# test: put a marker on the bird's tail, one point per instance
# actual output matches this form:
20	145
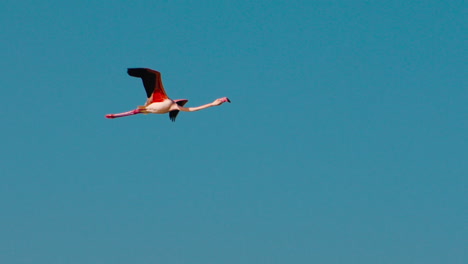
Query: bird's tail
132	112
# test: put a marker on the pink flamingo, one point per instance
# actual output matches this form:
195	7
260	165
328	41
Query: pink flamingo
158	102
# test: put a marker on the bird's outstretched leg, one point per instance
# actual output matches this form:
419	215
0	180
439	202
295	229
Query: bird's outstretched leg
128	113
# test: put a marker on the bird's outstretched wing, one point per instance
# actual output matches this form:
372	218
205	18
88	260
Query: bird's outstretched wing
152	82
173	113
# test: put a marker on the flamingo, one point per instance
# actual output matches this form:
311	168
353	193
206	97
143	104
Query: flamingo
158	102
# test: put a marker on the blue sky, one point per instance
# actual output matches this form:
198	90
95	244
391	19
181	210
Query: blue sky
345	141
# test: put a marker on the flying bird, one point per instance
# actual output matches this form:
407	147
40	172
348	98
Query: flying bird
158	102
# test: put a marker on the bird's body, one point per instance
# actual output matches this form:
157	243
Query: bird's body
159	107
158	102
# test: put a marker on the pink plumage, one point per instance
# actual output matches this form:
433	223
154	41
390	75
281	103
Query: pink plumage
157	100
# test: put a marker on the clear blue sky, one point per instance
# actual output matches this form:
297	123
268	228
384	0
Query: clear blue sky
346	139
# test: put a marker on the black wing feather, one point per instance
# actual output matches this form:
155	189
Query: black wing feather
148	77
173	114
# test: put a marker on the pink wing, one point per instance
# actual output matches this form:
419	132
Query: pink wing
151	81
